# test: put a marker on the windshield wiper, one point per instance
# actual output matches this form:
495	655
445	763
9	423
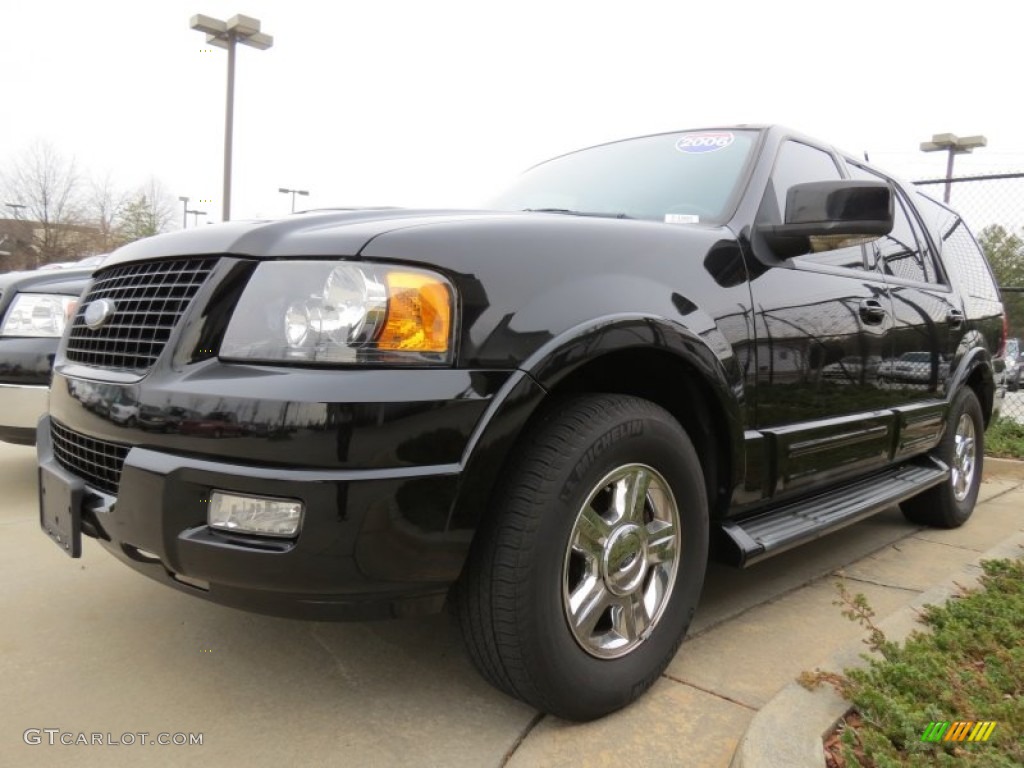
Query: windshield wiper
570	212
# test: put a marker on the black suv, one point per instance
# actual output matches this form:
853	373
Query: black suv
547	413
34	309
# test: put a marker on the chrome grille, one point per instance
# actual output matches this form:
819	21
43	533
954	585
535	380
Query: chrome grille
95	461
149	299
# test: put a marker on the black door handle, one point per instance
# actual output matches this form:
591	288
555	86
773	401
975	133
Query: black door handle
872	311
955	318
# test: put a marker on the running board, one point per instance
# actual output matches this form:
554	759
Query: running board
770	533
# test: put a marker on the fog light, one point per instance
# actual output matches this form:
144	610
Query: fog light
255	514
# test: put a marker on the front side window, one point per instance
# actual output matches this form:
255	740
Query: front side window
904	252
899	252
690	177
799	163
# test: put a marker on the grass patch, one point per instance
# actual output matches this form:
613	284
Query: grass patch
970	667
1005	438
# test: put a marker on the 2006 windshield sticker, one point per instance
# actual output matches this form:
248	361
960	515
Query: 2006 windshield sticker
699	143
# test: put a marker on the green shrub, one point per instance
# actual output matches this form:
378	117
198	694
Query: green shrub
1005	438
970	667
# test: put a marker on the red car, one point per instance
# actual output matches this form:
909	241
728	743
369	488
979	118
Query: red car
214	424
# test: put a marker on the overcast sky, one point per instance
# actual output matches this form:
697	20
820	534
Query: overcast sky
437	103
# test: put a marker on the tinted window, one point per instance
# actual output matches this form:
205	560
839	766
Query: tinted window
798	164
899	252
692	175
928	264
904	252
959	250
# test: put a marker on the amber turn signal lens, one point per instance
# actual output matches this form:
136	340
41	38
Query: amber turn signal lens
419	314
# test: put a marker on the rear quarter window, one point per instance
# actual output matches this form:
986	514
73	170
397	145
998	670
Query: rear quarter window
959	251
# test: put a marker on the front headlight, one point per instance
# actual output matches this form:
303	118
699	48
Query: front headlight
38	314
342	312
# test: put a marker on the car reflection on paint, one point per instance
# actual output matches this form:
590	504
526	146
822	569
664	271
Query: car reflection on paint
853	369
89	394
125	414
151	417
156	419
911	368
213	424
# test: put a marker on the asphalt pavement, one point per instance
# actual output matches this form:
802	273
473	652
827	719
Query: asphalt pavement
89	647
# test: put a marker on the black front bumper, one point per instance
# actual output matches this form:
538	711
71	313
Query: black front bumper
375	542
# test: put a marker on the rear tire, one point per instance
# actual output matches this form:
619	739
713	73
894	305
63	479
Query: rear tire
962	448
584	578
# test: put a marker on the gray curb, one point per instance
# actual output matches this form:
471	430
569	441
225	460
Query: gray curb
788	731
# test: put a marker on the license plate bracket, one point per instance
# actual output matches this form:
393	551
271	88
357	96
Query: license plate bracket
60	508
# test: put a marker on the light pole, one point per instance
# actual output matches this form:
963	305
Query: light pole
954	145
195	216
184	212
225	34
17	208
294	192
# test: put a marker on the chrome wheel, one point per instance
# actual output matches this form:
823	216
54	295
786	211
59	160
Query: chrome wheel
962	469
621	561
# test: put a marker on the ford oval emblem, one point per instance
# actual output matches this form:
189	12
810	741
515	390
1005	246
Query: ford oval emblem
98	312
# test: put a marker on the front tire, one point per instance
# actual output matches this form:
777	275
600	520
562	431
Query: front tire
950	504
586	575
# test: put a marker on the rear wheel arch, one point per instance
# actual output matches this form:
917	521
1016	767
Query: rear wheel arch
982	382
962	448
975	371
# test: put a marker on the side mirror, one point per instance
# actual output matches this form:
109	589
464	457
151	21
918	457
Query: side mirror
841	212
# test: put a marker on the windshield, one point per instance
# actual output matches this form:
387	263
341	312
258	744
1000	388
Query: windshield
679	178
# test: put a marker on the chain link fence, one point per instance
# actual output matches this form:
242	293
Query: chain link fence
993	207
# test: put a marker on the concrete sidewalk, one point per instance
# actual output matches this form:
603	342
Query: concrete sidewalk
89	646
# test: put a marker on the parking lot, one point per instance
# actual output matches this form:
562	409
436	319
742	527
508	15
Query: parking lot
87	646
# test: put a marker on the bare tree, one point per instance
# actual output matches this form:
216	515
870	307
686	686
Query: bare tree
147	212
48	184
106	206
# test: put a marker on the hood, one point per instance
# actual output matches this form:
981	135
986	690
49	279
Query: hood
64	281
350	233
337	233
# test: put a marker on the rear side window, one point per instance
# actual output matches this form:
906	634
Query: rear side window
959	250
